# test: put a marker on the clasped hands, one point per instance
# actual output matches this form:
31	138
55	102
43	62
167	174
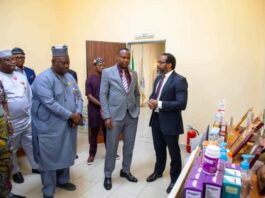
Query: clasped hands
76	119
152	104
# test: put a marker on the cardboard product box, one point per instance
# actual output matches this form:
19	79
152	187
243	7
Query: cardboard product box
196	173
213	186
231	187
232	166
232	172
221	165
193	189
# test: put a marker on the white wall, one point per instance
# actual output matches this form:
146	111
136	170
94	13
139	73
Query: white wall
219	44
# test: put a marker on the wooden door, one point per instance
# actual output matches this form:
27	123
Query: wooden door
106	50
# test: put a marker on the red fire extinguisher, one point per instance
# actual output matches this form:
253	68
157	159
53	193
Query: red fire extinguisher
192	133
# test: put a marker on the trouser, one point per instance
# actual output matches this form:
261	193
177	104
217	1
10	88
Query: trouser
93	139
128	126
23	139
161	141
5	171
49	180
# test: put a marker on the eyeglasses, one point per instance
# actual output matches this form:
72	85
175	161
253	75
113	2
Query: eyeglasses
19	57
161	62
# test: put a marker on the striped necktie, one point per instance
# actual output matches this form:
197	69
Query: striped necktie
124	81
159	87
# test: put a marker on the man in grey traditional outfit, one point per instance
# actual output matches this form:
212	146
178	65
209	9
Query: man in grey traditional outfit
19	95
56	112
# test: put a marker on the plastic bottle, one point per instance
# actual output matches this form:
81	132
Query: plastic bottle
245	176
230	157
223	152
210	159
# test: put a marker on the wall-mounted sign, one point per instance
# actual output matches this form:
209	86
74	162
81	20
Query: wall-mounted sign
144	36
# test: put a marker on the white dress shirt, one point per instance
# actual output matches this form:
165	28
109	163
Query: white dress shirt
159	105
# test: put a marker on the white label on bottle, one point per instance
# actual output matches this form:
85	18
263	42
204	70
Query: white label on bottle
212	191
193	194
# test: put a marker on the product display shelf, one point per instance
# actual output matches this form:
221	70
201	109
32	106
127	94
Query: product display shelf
177	190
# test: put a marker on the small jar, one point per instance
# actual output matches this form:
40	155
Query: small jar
210	159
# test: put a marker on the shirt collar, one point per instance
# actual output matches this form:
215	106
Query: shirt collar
168	74
19	70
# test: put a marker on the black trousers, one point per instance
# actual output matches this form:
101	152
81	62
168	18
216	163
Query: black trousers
161	142
93	136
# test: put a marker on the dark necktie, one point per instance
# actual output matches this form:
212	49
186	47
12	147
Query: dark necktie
159	86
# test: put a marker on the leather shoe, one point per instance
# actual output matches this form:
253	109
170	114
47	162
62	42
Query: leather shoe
107	183
35	171
18	178
45	196
128	176
11	195
169	188
154	176
67	186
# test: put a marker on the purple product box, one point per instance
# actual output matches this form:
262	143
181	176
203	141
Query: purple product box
221	165
232	166
195	171
193	188
197	175
213	186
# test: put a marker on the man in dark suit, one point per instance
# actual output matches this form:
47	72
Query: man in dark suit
168	99
19	54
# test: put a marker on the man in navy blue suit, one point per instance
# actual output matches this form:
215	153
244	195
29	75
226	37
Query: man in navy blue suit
20	60
168	99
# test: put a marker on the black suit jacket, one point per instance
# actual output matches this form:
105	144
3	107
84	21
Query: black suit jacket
174	96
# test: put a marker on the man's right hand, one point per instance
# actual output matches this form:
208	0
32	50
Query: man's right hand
108	123
76	118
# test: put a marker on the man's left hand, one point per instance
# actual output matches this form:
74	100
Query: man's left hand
153	103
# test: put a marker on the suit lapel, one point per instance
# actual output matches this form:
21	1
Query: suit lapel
132	79
169	81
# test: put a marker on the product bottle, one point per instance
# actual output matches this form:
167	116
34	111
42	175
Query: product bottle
245	176
223	152
230	157
223	130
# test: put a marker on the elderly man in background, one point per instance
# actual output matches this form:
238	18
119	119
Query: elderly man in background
6	130
56	112
19	54
19	95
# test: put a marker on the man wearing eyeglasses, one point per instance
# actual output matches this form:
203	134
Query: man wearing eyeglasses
19	55
19	95
168	99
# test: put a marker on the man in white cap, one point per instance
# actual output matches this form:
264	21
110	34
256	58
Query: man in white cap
6	61
56	111
19	95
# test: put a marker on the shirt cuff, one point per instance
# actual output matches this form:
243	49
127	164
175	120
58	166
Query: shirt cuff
159	104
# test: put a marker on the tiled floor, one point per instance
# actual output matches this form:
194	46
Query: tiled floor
89	178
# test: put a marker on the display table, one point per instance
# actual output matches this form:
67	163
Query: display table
177	190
